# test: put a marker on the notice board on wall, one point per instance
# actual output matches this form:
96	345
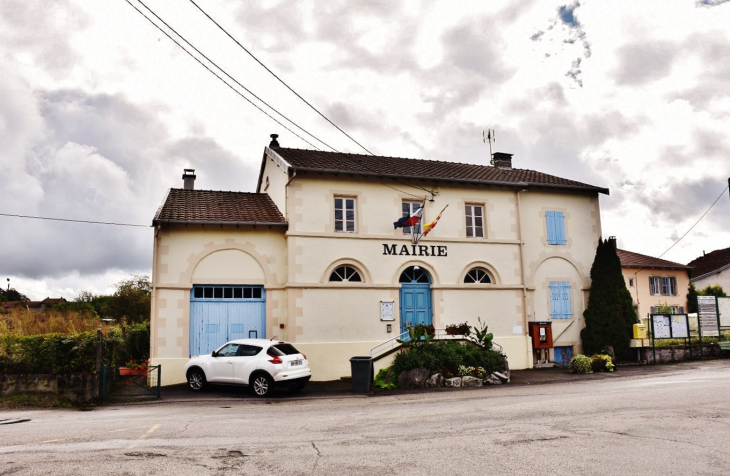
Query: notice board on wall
707	306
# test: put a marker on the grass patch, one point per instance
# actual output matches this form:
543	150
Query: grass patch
33	400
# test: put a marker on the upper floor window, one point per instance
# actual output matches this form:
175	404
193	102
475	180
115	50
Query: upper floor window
345	274
474	221
409	208
665	286
345	214
477	275
555	228
631	282
560	306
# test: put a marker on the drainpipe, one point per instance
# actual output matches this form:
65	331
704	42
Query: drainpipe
153	295
285	332
522	272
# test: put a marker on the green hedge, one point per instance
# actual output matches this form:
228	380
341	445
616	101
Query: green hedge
71	353
447	356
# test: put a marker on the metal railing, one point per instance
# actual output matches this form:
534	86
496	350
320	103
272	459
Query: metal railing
123	382
392	344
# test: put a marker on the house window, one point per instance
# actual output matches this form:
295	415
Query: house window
409	208
477	275
344	274
560	307
345	214
664	286
474	221
555	228
631	282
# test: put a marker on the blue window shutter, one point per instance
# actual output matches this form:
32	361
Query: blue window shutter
551	232
565	298
554	300
560	228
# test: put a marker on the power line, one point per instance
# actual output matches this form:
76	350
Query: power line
278	78
73	221
232	78
217	76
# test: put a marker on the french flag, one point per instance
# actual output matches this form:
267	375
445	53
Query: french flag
409	221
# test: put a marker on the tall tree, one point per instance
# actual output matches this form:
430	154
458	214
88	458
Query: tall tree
131	301
610	313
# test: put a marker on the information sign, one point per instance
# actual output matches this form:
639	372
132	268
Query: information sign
680	327
707	306
661	328
387	311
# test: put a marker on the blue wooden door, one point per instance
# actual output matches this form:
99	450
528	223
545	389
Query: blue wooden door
219	314
563	354
415	305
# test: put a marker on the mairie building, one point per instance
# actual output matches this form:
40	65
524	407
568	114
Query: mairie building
313	257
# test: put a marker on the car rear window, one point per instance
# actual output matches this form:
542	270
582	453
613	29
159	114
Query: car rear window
282	349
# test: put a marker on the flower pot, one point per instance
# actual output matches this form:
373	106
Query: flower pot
128	371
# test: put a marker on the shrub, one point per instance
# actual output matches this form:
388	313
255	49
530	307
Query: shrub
481	336
386	379
602	363
445	357
581	364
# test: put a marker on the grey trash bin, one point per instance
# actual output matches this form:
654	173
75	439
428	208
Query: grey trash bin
362	373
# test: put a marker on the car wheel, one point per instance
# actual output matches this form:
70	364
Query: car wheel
262	385
297	387
196	380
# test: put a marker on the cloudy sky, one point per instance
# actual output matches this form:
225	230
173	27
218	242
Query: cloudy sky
100	112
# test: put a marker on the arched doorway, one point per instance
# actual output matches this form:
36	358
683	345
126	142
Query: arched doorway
415	297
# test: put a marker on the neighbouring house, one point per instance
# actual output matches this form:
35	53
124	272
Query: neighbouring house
712	269
313	257
654	282
35	306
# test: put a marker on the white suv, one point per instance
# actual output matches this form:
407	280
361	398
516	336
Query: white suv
258	363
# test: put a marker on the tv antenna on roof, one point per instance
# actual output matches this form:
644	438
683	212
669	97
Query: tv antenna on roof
488	136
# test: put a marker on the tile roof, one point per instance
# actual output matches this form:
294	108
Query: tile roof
629	259
396	167
710	262
209	206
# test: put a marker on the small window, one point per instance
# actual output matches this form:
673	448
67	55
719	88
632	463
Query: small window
474	221
555	228
247	292
408	209
414	275
237	293
477	275
631	282
199	292
560	306
208	293
257	293
669	286
655	285
345	214
345	274
227	293
218	293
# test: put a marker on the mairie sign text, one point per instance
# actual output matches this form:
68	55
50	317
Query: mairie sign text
414	250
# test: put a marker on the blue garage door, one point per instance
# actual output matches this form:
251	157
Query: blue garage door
219	314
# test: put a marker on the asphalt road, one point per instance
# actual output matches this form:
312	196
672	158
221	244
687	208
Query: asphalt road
674	421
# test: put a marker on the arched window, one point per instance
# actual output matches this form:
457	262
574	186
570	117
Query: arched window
477	275
345	274
414	274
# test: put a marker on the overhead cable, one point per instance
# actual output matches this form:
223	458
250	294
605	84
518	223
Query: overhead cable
73	221
218	76
278	78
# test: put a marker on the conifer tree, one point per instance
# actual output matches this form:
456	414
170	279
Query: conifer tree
610	313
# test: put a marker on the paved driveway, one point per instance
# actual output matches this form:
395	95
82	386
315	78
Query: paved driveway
673	420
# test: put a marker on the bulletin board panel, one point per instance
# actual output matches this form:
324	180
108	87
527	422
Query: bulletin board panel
670	326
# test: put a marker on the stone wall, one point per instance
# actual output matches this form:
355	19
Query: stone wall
678	354
75	387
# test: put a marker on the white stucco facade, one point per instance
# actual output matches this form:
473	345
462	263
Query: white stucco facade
333	321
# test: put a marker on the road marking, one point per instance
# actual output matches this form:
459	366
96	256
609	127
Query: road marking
77	437
145	435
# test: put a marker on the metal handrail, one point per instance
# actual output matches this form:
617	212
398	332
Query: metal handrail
393	342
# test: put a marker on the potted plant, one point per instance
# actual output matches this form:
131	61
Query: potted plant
135	368
463	329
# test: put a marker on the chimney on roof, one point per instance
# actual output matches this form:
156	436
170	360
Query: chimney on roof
612	241
189	179
502	160
274	143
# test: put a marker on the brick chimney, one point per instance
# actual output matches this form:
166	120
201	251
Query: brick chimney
502	160
612	241
189	179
